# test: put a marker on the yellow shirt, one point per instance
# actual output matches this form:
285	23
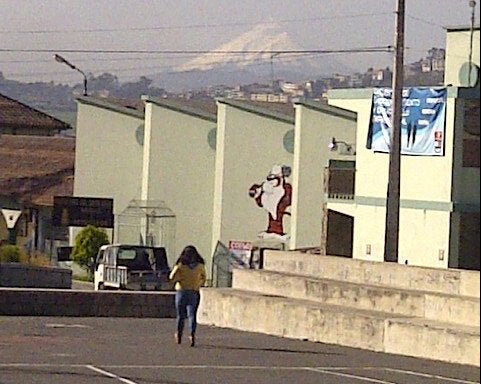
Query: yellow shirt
189	278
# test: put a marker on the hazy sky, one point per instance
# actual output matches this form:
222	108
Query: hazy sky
203	25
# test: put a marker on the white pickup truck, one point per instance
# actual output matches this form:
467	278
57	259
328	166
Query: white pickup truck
131	267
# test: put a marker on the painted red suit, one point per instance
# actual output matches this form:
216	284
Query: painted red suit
275	196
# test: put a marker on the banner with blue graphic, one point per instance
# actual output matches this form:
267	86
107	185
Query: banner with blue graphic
423	121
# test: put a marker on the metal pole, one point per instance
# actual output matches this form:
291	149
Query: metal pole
272	66
393	193
472	4
62	60
272	69
85	83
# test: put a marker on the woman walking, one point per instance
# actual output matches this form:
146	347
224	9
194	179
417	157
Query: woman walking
188	275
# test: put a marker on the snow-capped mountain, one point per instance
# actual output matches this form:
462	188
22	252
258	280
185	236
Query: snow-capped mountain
253	63
262	38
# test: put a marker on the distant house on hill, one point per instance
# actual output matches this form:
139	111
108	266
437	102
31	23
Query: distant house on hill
35	166
17	118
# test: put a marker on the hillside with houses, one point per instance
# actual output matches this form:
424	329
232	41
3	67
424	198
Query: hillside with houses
59	99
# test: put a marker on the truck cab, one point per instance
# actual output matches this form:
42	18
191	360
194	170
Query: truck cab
131	267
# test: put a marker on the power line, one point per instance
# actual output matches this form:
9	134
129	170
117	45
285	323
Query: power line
264	62
94	59
165	57
200	52
220	25
281	55
425	21
432	23
193	26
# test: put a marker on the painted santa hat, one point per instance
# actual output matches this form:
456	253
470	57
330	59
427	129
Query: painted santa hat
279	171
276	171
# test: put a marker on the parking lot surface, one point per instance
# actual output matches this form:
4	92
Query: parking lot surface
44	350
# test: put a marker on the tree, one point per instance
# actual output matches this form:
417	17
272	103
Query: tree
133	90
87	244
105	81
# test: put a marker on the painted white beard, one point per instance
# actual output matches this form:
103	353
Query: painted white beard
271	197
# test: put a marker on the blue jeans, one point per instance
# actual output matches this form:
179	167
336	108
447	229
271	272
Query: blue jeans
186	304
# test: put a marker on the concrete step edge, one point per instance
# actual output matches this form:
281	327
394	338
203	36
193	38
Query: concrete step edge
465	282
450	327
356	284
339	308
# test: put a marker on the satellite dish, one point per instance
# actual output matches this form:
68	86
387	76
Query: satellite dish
139	134
288	141
464	75
212	138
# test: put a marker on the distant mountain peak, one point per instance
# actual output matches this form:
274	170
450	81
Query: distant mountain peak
262	37
254	62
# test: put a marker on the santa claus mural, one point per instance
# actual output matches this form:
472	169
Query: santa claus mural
274	195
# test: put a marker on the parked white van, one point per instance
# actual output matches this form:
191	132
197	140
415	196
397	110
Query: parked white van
132	267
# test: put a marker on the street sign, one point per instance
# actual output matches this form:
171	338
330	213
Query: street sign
82	211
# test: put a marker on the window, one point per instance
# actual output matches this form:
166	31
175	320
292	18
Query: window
126	254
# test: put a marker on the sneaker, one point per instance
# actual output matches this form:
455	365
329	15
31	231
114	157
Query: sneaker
178	338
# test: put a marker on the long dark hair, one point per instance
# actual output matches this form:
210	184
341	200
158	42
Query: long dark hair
190	255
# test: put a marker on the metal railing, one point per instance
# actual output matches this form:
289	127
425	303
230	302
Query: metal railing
115	276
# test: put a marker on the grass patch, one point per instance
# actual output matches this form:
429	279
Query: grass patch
82	278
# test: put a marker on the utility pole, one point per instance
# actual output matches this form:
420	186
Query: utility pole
391	241
272	66
472	4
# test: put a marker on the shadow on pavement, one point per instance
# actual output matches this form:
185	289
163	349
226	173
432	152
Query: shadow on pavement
282	350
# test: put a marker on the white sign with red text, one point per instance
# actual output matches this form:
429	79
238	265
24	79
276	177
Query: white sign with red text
241	253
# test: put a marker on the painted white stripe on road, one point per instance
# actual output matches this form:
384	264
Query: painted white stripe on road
361	378
222	367
68	326
111	375
167	366
40	365
326	370
419	374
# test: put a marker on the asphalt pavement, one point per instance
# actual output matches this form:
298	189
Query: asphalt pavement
56	350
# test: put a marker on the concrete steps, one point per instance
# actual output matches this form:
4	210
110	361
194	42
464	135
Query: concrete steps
314	321
463	310
385	307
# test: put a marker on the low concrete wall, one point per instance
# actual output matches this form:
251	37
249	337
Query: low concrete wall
53	302
27	276
447	281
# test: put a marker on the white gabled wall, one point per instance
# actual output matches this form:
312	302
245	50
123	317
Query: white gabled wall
178	169
248	146
108	158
